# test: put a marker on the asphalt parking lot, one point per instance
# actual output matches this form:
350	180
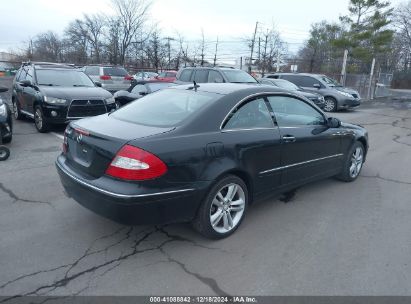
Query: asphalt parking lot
333	238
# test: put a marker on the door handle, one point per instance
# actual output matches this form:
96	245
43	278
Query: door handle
289	138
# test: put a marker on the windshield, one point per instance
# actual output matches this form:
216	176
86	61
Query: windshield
331	82
64	78
284	84
166	108
238	76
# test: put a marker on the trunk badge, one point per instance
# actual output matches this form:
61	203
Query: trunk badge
79	138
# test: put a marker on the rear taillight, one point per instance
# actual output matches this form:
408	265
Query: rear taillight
105	77
128	77
132	163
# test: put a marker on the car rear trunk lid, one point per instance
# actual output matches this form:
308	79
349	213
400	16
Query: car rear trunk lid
91	144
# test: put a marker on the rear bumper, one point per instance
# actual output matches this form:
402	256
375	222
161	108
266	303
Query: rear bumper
144	206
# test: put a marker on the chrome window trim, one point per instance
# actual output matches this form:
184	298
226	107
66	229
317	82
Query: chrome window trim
117	195
300	163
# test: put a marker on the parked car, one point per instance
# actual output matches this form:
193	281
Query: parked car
168	76
143	75
213	75
6	126
112	78
317	99
204	153
138	90
336	96
56	94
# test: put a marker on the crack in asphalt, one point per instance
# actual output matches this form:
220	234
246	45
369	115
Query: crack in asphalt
386	179
210	282
397	137
140	237
18	199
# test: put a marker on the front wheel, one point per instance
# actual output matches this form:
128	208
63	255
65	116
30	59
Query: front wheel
4	153
41	124
330	104
223	209
16	110
353	163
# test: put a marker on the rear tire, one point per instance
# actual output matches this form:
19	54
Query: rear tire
353	163
330	104
223	209
41	125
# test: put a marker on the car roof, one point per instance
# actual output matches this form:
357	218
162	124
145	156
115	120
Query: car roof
48	65
228	88
300	74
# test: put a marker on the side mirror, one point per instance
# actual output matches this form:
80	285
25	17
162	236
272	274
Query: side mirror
333	122
26	83
317	85
3	89
98	84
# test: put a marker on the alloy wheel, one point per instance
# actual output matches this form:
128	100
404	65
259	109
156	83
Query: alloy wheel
227	208
329	105
15	110
357	158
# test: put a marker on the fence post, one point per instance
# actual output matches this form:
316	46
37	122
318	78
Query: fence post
370	83
344	68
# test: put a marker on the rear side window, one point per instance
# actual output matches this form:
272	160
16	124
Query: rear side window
186	75
201	76
297	80
165	108
252	115
170	74
113	71
92	71
215	77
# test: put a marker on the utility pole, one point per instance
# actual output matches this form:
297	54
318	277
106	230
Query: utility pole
169	49
344	68
241	63
202	48
259	49
370	95
215	54
252	48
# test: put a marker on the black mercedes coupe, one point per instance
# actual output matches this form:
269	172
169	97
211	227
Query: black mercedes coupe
204	153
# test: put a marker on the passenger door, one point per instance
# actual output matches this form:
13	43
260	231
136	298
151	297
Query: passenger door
250	134
21	75
310	148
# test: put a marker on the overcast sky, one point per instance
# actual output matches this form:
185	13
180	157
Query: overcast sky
228	19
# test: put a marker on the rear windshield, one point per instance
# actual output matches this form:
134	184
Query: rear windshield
113	71
63	78
238	76
166	108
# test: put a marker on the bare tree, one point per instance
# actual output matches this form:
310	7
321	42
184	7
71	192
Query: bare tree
402	40
94	28
48	47
131	18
